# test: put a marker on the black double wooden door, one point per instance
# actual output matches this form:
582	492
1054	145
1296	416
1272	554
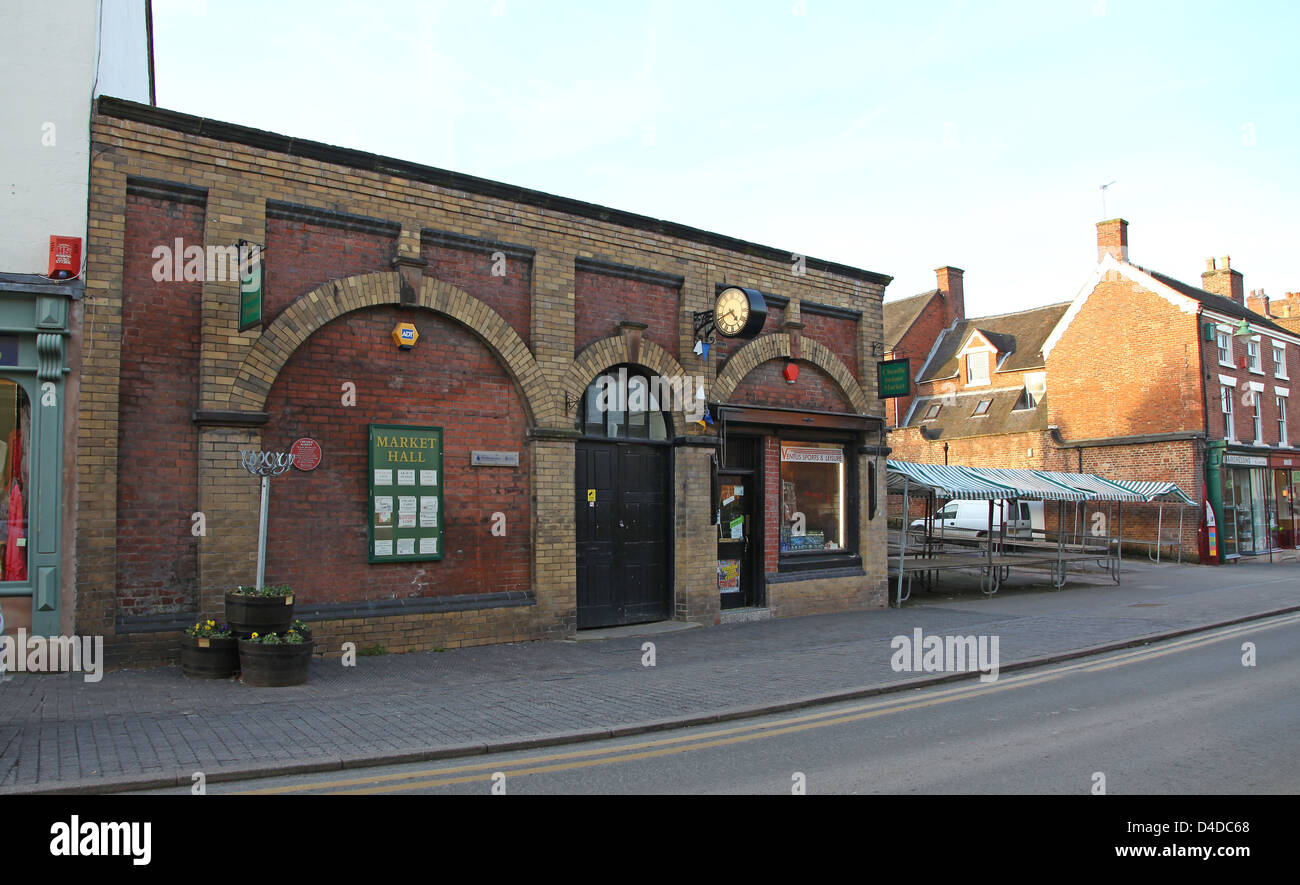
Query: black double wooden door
622	534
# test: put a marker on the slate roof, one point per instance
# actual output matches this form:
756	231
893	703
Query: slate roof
1218	303
956	416
1019	338
900	314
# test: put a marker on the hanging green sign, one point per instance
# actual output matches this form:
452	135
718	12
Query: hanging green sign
893	378
405	515
250	285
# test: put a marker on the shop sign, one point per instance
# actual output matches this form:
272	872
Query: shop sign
809	454
406	484
1246	460
306	453
494	459
893	377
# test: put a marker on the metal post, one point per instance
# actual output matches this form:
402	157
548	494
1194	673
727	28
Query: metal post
261	532
265	465
902	540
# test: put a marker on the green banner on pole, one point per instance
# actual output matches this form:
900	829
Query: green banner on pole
250	285
894	378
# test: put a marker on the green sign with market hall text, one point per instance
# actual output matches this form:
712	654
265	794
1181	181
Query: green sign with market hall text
893	378
406	481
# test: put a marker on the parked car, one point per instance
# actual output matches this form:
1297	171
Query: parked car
970	520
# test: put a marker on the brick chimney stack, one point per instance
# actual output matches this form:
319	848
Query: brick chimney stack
1221	279
1112	239
1258	302
954	296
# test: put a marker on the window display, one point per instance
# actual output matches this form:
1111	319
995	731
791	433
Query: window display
15	442
812	497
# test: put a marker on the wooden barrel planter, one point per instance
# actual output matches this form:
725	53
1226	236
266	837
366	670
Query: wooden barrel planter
209	657
247	615
274	665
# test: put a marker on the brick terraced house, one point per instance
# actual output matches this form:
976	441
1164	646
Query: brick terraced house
1139	377
544	506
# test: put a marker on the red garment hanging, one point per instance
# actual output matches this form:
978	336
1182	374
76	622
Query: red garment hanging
15	556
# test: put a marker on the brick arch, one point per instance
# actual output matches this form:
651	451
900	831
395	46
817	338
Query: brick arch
297	323
771	347
613	351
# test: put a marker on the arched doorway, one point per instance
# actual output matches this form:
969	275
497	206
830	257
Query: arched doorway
623	506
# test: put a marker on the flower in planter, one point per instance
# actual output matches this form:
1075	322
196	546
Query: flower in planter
208	629
269	590
289	637
300	626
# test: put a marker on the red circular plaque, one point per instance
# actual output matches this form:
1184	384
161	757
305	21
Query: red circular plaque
306	453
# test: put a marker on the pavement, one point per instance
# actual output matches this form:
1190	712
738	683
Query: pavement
149	729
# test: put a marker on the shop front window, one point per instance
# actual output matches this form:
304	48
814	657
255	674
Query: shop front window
1288	529
813	506
15	443
1228	529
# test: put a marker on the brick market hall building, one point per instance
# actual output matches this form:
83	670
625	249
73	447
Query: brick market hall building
475	482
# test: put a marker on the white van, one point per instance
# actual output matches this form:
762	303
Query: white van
970	519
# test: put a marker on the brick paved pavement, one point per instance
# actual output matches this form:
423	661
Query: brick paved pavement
156	727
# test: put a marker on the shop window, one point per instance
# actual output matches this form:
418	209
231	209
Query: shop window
15	444
813	498
622	405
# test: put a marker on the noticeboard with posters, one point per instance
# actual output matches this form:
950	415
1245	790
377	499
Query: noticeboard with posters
405	513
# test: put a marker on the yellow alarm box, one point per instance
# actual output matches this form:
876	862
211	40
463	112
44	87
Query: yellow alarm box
405	335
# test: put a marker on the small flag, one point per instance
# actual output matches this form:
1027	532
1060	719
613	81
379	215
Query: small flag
699	347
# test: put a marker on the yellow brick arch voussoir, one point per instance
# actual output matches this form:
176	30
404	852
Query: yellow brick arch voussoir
770	347
310	312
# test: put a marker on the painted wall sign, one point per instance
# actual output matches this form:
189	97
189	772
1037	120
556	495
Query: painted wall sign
405	478
306	453
494	459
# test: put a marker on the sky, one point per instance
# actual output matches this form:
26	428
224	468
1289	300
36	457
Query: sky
895	137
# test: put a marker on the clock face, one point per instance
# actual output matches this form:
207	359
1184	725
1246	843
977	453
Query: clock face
731	311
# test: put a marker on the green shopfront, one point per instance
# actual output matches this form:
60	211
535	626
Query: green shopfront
33	338
1252	491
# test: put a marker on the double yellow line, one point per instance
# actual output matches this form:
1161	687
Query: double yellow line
649	749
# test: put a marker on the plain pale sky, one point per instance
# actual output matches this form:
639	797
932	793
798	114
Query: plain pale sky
895	137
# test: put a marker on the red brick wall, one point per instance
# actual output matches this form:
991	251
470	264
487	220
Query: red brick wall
1243	414
157	556
451	381
1125	366
916	346
301	257
603	301
471	271
724	347
771	504
814	389
840	336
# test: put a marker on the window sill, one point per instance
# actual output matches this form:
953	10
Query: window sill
798	564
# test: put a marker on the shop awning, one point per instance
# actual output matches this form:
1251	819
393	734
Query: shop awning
944	480
1035	485
1157	491
1099	487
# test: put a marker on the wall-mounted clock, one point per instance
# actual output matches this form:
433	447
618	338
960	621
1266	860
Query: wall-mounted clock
739	313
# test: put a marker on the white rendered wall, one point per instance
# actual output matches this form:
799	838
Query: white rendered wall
48	61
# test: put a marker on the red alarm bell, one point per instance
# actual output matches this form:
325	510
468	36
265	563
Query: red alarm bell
791	372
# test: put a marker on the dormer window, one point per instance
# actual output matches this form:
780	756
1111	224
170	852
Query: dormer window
982	407
977	368
1027	401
